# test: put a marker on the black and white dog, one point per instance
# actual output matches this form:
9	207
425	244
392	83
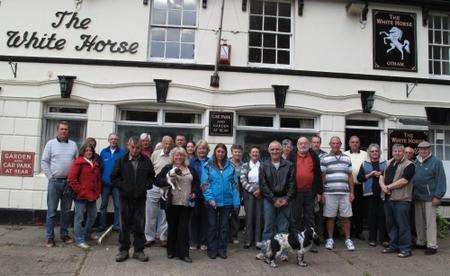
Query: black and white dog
281	244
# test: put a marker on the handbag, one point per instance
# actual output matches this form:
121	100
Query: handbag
68	192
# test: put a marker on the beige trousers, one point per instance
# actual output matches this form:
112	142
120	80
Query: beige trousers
426	228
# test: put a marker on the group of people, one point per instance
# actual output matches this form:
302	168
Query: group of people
180	195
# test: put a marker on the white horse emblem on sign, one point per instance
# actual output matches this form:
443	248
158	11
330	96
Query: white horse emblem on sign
394	35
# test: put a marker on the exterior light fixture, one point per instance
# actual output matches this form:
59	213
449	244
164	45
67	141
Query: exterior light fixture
162	86
66	84
367	100
280	92
358	8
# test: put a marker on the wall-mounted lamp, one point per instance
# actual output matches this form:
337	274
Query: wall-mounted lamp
66	84
367	100
244	5
145	2
301	5
280	92
204	4
162	87
358	8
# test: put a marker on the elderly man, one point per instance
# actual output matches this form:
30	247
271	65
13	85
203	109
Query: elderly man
286	150
430	185
155	218
338	191
278	189
397	193
57	158
357	156
410	154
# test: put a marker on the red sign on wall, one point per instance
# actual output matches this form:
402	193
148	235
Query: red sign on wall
17	163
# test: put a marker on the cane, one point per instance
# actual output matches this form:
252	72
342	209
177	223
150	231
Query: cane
104	235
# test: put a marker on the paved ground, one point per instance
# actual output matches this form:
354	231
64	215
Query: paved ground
22	253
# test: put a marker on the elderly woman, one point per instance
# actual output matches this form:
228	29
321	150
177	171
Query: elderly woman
251	194
85	180
180	199
369	175
218	182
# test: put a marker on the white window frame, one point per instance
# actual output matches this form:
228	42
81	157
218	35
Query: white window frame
167	26
434	129
441	45
276	123
291	39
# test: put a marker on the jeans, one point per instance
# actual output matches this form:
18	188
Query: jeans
155	217
107	191
82	207
218	228
54	196
303	210
276	220
132	221
398	224
253	218
199	224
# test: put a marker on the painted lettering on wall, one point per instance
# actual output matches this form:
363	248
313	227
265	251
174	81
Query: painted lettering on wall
68	20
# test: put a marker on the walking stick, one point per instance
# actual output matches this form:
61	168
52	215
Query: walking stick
104	235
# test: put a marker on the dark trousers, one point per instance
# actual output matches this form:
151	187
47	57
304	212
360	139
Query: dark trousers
376	219
303	210
398	224
218	228
106	192
358	211
132	214
319	221
234	225
253	218
178	230
199	224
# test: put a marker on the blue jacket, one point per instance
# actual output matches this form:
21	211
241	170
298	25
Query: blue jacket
109	160
429	179
367	168
221	186
197	165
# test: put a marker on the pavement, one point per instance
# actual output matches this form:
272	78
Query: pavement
22	253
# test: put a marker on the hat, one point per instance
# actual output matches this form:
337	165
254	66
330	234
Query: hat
424	144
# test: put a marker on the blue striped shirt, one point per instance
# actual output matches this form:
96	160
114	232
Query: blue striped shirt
336	169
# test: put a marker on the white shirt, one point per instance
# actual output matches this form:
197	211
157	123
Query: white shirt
253	174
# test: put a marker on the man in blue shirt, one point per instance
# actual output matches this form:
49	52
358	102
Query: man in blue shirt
109	155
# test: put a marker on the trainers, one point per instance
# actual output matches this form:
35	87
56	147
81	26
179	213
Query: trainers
329	244
49	243
83	245
203	247
430	251
67	239
140	256
350	245
236	241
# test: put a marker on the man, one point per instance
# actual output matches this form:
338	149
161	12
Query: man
109	156
397	193
316	142
338	191
278	189
147	148
357	156
410	154
57	158
430	185
133	174
155	217
236	161
308	182
180	141
286	148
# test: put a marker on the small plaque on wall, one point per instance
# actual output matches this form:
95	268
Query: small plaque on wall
221	123
17	163
394	41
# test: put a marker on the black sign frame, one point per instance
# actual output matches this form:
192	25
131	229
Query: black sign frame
395	63
406	137
219	124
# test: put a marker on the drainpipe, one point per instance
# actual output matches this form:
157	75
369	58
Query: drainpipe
215	76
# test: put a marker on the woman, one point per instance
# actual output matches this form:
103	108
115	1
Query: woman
85	180
252	198
221	195
199	219
369	175
179	202
93	143
190	149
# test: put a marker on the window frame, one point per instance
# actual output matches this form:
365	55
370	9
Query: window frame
430	57
434	129
277	122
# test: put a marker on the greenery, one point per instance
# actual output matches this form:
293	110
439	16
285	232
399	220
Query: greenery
443	226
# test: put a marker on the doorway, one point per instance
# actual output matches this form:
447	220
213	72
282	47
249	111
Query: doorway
366	136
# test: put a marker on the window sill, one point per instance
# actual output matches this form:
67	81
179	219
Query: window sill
269	65
172	60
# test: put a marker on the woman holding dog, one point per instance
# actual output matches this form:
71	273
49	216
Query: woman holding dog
218	182
179	202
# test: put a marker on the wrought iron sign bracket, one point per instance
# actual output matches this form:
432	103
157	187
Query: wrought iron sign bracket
410	88
13	66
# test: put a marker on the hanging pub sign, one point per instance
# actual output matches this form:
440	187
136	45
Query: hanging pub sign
408	138
221	123
394	41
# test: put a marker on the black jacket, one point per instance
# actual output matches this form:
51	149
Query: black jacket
277	183
317	185
133	185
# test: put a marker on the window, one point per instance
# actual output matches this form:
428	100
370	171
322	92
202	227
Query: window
144	116
289	122
439	45
258	121
270	32
183	118
172	32
440	140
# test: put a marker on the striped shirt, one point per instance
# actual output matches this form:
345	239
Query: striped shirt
336	169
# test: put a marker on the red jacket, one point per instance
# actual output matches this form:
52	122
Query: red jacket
85	179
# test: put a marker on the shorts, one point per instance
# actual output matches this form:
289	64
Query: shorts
335	202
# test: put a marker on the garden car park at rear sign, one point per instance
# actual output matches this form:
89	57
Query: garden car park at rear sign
17	163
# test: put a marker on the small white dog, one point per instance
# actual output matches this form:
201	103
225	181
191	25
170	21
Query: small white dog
172	180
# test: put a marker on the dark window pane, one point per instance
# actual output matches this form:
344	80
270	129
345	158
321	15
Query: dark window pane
182	118
189	18
173	50
268	56
270	8
157	49
255	22
437	22
256	7
187	35
430	23
283	57
145	116
445	22
269	40
284	25
254	55
256	121
446	69
296	123
437	68
187	51
173	34
283	41
284	9
437	37
158	34
445	53
361	123
72	110
270	23
175	17
445	38
430	36
436	52
255	39
430	67
430	52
